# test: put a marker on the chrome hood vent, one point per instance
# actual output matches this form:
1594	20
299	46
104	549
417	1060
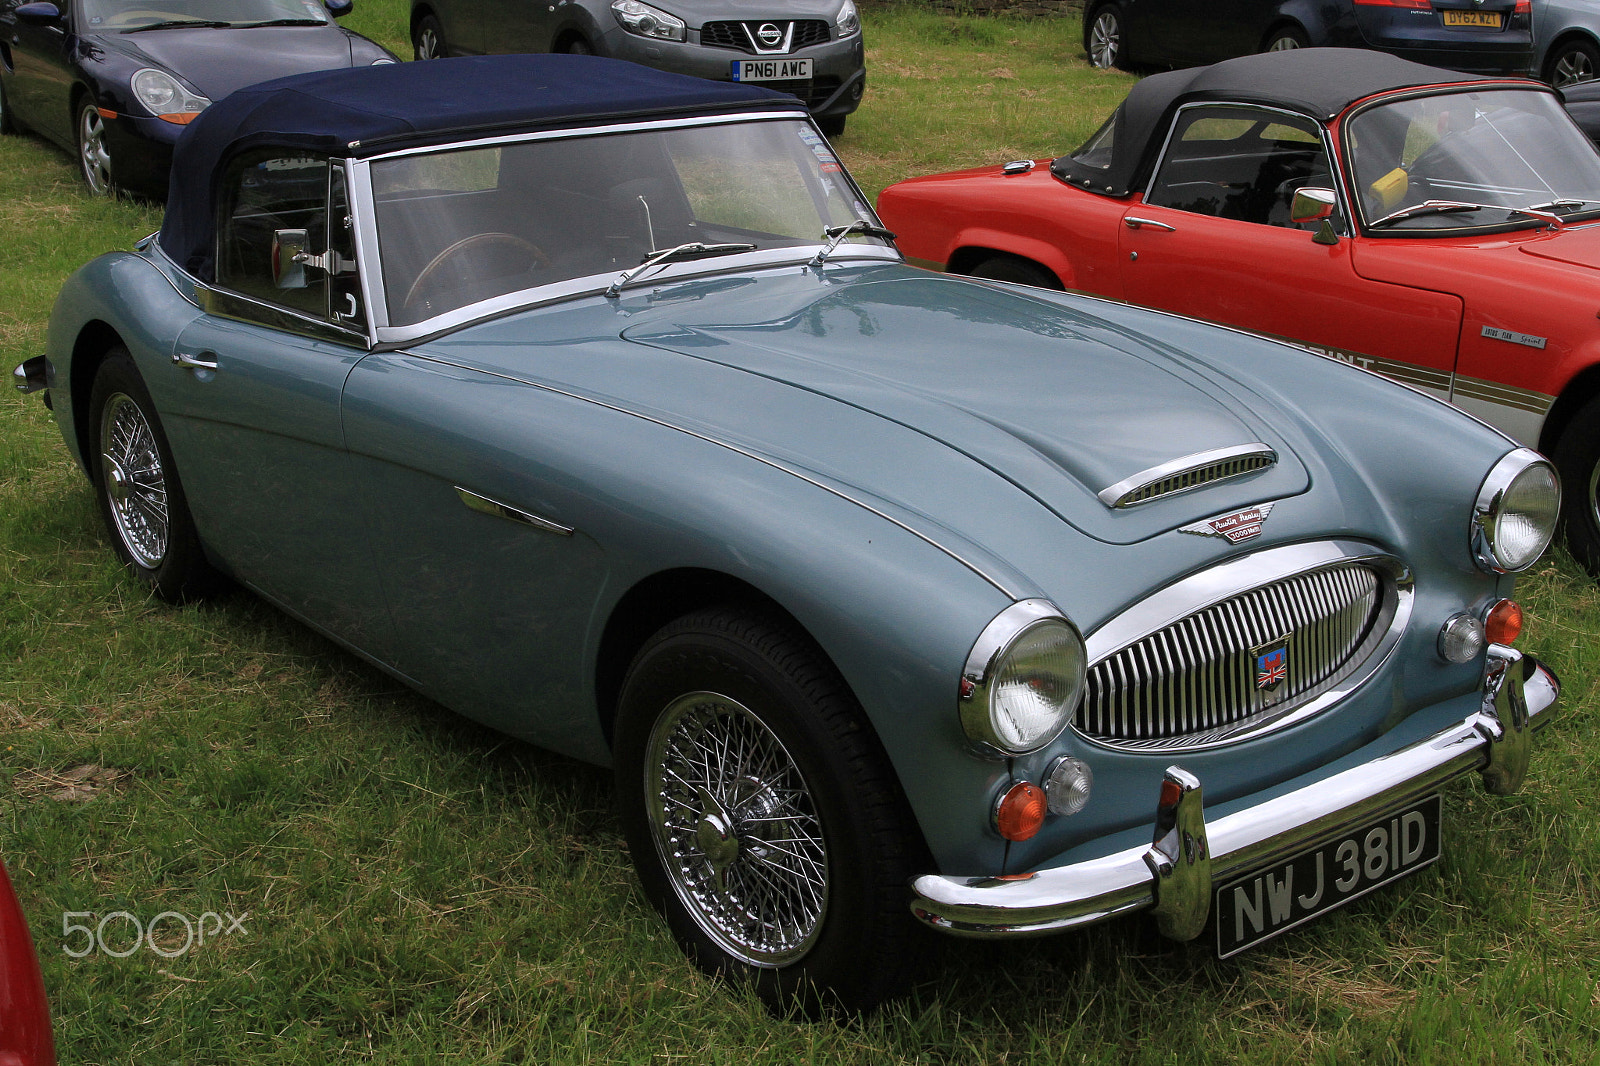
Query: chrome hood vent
1241	650
1189	472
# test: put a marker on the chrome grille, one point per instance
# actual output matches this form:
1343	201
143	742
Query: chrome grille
741	35
1194	682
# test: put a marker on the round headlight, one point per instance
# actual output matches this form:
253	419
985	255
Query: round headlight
1515	514
1022	680
163	95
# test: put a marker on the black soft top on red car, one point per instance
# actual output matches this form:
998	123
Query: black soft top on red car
1319	82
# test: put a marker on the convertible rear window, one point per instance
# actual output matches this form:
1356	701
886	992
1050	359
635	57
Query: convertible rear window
458	227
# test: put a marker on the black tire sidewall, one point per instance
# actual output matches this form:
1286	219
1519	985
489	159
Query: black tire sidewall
1575	456
857	958
183	573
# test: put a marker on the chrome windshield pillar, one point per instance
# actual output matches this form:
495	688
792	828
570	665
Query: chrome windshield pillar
1180	858
1504	719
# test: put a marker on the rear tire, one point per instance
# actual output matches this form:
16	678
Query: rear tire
831	125
1572	61
762	815
136	482
1102	38
1286	39
427	39
1016	269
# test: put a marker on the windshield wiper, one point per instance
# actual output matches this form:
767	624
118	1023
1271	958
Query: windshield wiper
171	24
1569	204
836	234
1442	207
681	254
279	22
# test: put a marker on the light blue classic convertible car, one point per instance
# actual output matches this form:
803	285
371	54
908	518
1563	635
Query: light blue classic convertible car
595	403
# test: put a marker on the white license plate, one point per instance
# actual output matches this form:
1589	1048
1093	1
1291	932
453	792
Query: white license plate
1259	907
772	69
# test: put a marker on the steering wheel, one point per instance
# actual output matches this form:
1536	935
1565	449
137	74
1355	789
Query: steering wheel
533	256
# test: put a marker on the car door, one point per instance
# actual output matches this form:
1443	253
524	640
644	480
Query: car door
259	392
39	87
1212	238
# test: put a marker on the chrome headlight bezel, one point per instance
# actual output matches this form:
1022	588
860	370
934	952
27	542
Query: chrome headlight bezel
1029	627
1521	488
652	23
162	94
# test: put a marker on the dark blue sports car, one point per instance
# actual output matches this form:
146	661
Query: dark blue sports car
116	81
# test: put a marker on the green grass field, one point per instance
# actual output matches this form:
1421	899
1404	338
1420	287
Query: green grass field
378	880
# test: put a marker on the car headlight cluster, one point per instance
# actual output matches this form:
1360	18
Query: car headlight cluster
1515	513
165	97
847	23
647	21
1023	679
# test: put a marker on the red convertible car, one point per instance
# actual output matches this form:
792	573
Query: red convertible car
1439	228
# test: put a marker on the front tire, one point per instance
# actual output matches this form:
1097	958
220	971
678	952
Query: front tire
427	39
7	123
832	125
1572	61
94	158
762	815
1102	39
141	499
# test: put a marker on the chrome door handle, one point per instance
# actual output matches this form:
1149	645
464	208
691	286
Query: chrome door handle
1135	223
202	361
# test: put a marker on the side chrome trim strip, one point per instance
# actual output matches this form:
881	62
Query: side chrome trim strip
484	505
1254	838
810	479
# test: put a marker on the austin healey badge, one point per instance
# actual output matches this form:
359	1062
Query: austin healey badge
1232	527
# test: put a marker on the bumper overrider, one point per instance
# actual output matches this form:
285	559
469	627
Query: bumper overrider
1173	877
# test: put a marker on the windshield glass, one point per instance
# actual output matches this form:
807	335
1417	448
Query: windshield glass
458	227
1496	150
124	15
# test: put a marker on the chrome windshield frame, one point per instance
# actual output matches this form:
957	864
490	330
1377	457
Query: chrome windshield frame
369	252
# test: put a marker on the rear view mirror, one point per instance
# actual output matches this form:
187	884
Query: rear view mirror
40	13
339	8
288	258
1312	205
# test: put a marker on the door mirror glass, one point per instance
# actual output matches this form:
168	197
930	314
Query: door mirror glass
1312	205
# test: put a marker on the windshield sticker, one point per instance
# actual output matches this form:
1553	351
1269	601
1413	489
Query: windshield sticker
819	148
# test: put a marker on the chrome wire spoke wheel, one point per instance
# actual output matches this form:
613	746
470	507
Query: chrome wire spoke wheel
1105	40
133	480
736	830
92	153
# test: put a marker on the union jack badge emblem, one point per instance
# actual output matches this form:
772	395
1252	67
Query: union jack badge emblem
1272	664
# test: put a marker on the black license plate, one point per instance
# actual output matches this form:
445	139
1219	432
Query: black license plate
1275	900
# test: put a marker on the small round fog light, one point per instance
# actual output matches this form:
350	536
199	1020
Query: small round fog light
1020	811
1504	624
1461	639
1068	784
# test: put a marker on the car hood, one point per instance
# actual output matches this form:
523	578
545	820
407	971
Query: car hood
1577	245
217	61
696	12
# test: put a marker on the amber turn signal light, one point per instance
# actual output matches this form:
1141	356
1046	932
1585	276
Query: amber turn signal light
1020	812
1504	623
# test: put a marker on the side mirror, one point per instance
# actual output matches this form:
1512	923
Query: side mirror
39	13
289	258
1316	205
1312	205
339	8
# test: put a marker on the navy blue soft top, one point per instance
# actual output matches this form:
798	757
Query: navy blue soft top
361	111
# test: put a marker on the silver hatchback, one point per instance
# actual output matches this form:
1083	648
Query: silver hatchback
811	48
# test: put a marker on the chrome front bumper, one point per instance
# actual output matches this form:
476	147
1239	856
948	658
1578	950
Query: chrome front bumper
1173	877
